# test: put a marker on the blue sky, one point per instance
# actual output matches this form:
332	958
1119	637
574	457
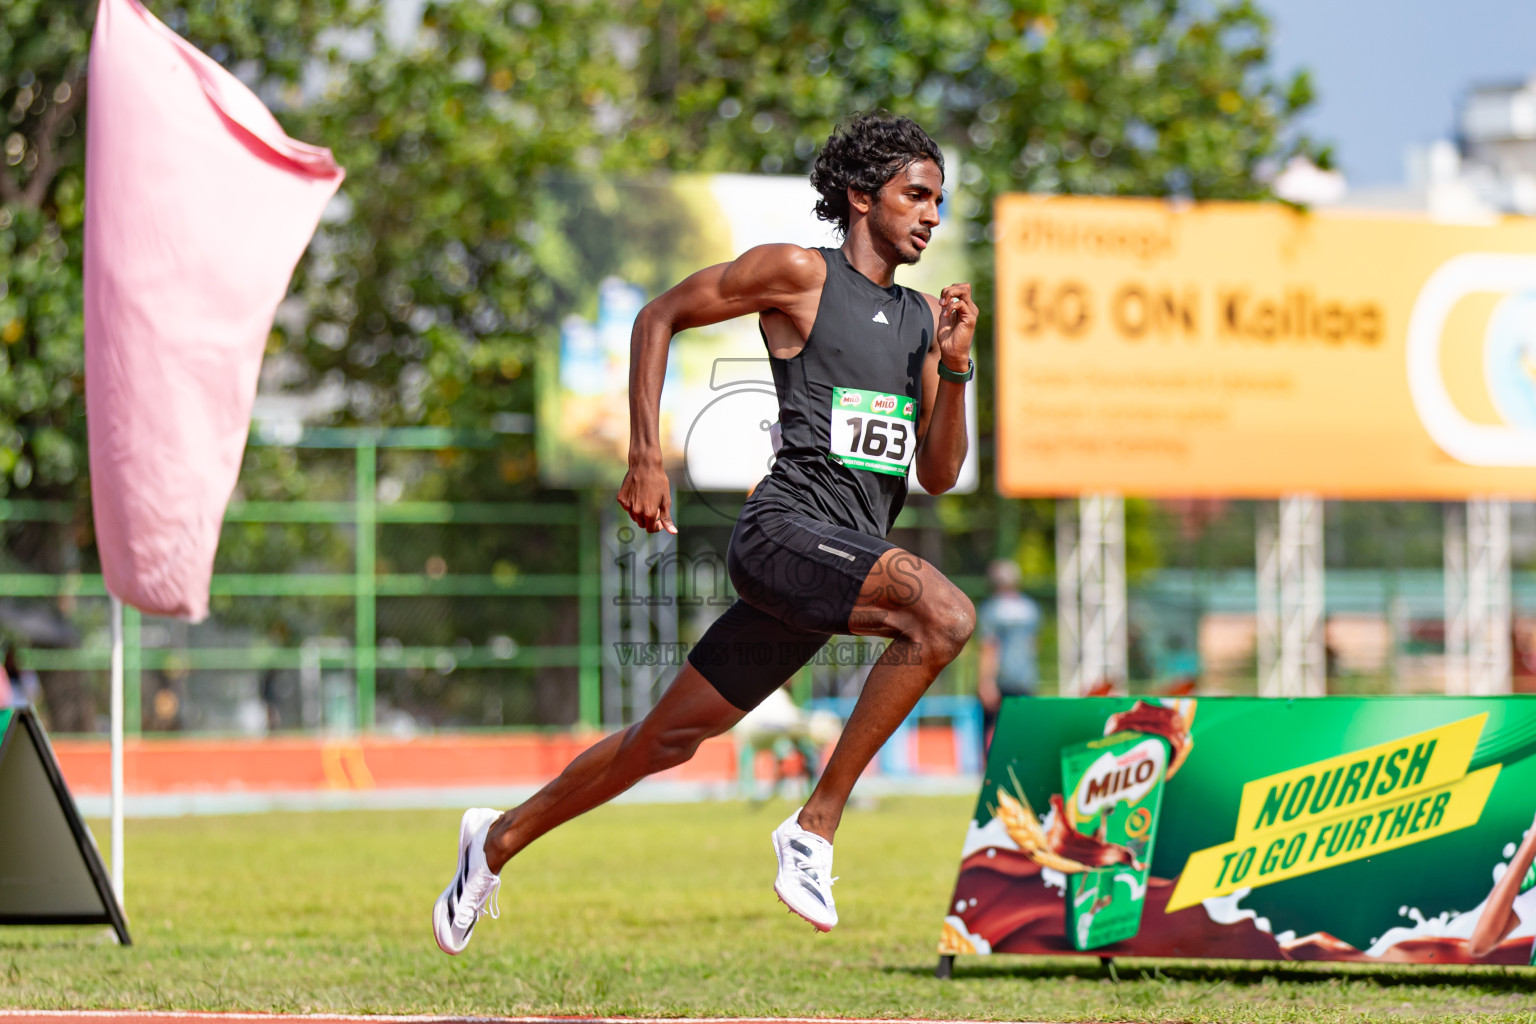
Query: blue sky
1389	72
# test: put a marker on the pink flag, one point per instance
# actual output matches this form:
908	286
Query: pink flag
197	208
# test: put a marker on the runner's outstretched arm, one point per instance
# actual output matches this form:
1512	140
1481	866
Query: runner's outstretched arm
941	434
764	277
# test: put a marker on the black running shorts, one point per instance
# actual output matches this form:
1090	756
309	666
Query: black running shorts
797	580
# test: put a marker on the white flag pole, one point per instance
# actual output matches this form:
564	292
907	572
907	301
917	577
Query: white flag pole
117	750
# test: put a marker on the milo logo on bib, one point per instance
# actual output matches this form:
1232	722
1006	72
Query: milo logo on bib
873	431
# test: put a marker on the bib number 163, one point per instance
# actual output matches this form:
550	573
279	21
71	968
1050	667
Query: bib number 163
873	431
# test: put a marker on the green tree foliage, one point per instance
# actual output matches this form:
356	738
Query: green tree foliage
426	295
42	91
1148	97
44	48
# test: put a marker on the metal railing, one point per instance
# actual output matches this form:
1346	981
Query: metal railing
365	513
365	585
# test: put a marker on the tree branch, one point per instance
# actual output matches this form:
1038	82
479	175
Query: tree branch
47	136
10	192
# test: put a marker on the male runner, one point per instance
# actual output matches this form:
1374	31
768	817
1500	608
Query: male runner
870	379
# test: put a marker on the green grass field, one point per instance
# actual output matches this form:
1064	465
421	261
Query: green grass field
631	910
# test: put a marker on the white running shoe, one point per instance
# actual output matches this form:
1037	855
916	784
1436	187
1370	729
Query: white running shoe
804	884
473	888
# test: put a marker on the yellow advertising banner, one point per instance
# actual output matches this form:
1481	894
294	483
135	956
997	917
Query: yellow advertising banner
1253	350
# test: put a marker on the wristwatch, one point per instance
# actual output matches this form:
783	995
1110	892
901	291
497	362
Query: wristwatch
959	378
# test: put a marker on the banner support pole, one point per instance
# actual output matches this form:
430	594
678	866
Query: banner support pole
1090	594
1478	654
117	749
1069	608
1292	658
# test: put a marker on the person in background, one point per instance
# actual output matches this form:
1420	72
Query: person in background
1006	623
26	688
7	694
782	728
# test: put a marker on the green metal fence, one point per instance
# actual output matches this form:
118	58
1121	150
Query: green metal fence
365	585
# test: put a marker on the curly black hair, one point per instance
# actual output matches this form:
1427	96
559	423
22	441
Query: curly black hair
864	153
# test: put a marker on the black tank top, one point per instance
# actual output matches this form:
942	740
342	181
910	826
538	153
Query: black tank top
849	403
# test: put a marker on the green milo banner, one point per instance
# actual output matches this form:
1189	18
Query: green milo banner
1391	830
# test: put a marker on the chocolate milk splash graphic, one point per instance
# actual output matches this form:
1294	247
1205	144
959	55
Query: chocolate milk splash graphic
1005	902
1058	847
1088	850
1171	722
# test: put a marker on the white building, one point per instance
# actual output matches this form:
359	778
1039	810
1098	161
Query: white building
1488	170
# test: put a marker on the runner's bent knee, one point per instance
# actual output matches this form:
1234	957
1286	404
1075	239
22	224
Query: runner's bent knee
944	622
906	598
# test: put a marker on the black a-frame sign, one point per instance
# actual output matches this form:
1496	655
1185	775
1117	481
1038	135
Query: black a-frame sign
50	869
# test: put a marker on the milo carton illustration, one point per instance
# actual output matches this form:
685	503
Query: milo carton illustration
1113	795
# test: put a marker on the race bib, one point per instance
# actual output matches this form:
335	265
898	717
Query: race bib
873	431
